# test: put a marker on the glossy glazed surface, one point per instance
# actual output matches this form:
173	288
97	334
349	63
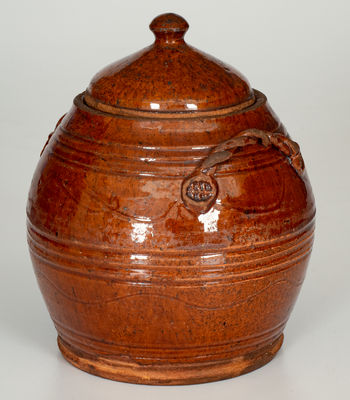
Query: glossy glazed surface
170	76
170	250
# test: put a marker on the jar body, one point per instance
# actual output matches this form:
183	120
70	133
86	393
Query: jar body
139	287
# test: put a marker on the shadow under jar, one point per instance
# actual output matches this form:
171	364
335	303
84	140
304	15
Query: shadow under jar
170	220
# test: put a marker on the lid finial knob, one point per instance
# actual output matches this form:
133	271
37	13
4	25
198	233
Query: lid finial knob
169	28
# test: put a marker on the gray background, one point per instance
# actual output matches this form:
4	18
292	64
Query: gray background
297	53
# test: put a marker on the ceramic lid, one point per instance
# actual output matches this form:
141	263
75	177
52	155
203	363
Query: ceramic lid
169	76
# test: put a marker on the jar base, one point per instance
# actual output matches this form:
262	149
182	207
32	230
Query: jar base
169	374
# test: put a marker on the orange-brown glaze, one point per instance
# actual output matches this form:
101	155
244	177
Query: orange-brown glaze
170	244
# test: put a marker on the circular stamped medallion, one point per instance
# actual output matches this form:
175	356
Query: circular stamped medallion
199	192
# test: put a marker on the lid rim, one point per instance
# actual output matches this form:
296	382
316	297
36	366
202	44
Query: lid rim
137	112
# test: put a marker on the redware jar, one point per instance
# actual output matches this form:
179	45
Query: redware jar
170	220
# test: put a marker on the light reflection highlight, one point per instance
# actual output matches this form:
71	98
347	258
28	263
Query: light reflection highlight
191	106
138	257
210	220
155	106
140	231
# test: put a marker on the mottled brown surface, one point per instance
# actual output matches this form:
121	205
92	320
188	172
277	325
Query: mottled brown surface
143	286
170	75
